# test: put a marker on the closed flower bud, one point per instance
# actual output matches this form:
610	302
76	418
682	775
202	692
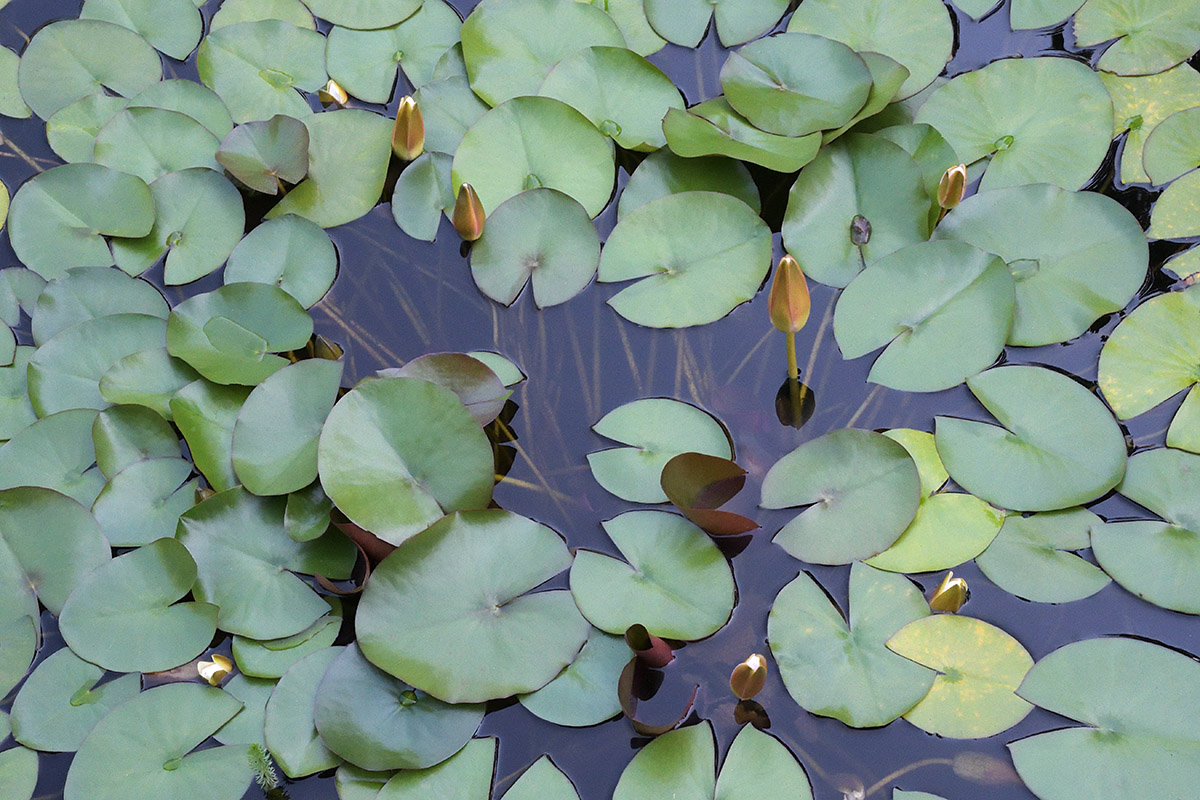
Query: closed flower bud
215	671
333	93
952	187
408	135
468	214
950	595
749	677
789	302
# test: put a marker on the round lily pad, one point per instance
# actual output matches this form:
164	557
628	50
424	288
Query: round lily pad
16	412
887	76
449	109
71	131
504	369
143	748
126	434
264	154
367	14
187	97
247	726
1077	256
657	429
232	12
206	413
663	173
272	658
143	501
713	128
149	377
530	142
931	152
55	452
377	722
456	588
289	251
289	728
423	194
737	21
477	387
121	616
623	94
1174	215
841	669
1058	447
1141	104
676	582
949	529
921	448
1150	37
1032	557
85	293
509	46
1038	120
151	142
11	104
542	237
1173	148
943	310
857	176
979	668
1184	431
862	488
689	274
172	26
19	771
585	693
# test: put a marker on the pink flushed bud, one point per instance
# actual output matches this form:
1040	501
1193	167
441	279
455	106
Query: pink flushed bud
468	214
952	187
749	677
408	135
789	303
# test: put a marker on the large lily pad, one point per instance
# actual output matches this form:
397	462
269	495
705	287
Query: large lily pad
530	142
206	413
1032	557
143	501
289	251
949	529
676	582
289	728
663	173
1150	36
1075	256
943	310
150	142
397	453
1037	120
863	490
1138	738
978	669
657	429
690	274
149	378
685	22
585	693
842	669
143	749
55	452
467	775
124	435
377	722
1058	447
367	14
121	616
85	293
171	26
455	588
713	128
272	658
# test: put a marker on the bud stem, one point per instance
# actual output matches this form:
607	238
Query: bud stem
793	367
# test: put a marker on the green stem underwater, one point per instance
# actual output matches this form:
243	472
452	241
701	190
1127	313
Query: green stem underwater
793	368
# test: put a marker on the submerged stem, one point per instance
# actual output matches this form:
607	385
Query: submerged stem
793	368
886	779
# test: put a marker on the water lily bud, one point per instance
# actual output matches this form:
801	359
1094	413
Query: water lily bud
789	303
650	649
860	230
950	595
749	677
333	93
408	135
468	214
215	671
952	186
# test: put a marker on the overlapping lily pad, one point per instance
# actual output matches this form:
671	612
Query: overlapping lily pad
11	104
187	97
126	434
467	775
1032	557
1141	104
171	26
151	142
206	413
149	377
737	21
55	452
423	193
663	173
289	251
713	128
1150	37
143	501
85	293
585	693
543	780
289	728
366	14
232	12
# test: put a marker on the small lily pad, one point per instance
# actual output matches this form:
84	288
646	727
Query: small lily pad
1150	37
921	448
542	781
1173	148
262	154
366	14
11	104
173	27
1141	104
449	109
288	722
423	194
55	452
149	377
126	434
143	501
1033	558
663	173
585	692
289	251
713	128
206	413
271	658
71	131
247	726
684	22
477	387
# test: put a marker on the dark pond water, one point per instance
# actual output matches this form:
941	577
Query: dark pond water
396	298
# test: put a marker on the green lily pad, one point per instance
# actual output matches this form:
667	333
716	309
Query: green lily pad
663	173
676	582
1038	120
19	771
542	237
621	93
86	293
377	722
1141	104
289	251
263	154
61	702
931	152
793	84
1157	561
585	693
244	561
59	219
1031	14
862	488
943	310
288	724
979	668
713	128
456	588
348	152
657	429
685	22
949	529
256	68
353	783
148	378
509	46
1173	147
531	142
1184	431
71	131
20	627
121	616
423	194
365	14
1077	256
199	219
1174	215
1150	37
364	62
151	142
1152	353
630	16
55	452
1032	557
887	76
19	291
71	59
142	749
16	412
921	448
1058	447
187	97
916	33
449	109
229	335
275	436
206	413
841	669
11	104
173	27
126	434
467	775
232	12
476	386
689	274
271	658
247	727
1131	695
859	175
397	453
504	369
542	781
142	502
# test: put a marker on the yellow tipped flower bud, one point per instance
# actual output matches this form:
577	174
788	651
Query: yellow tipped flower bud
952	187
215	671
749	677
950	595
468	214
408	135
789	303
333	93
